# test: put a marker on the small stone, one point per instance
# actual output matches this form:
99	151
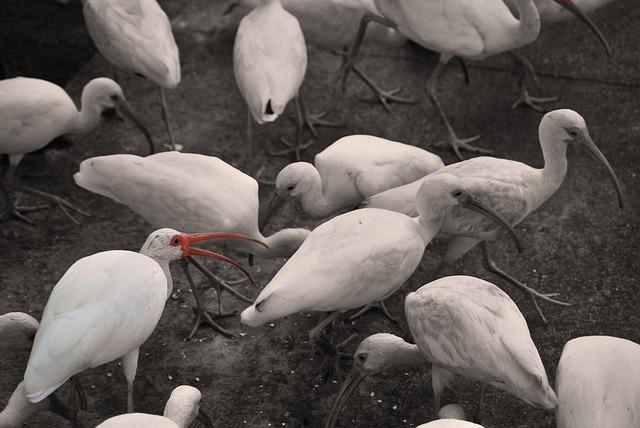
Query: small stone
169	377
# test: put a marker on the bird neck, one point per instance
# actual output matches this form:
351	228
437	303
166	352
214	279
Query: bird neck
88	116
555	165
430	222
314	201
167	273
282	243
407	354
528	26
19	409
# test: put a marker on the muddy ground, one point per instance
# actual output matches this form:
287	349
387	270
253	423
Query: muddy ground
579	243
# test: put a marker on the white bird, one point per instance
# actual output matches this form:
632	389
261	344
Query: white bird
598	383
465	326
512	188
105	307
188	192
452	411
463	28
348	171
33	112
181	410
269	64
136	37
450	423
358	258
331	25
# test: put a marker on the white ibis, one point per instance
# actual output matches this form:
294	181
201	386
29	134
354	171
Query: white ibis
452	411
464	28
512	188
181	410
334	26
136	37
450	423
359	258
33	112
348	171
269	64
463	325
105	307
598	383
189	192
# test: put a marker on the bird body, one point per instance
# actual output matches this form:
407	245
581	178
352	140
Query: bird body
450	423
598	383
86	322
269	59
470	327
136	37
188	192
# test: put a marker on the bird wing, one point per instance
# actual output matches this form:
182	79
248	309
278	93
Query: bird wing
269	60
471	327
401	199
135	36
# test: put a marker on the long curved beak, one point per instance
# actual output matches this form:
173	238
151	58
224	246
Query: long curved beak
573	8
191	238
125	109
276	202
474	203
204	419
597	155
351	383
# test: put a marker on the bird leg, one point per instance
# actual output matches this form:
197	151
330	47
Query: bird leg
165	117
56	406
330	365
524	68
379	94
477	415
311	120
456	143
10	208
491	266
299	145
65	206
77	401
129	367
202	315
380	305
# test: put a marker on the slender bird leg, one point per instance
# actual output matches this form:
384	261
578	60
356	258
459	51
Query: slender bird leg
380	305
202	316
332	355
524	68
455	142
491	266
167	123
65	206
299	145
379	94
311	120
129	367
217	281
77	400
465	69
56	406
477	415
10	209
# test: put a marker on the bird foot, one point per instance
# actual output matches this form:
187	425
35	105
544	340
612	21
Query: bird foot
535	295
291	148
261	181
457	144
331	364
313	120
386	97
65	206
380	305
527	100
204	317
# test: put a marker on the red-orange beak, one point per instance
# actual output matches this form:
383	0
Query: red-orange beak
184	240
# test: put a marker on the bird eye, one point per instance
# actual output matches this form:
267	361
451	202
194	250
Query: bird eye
175	241
362	358
573	132
290	188
457	193
114	97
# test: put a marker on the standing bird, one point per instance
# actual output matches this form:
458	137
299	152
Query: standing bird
512	188
269	64
189	192
181	410
464	28
598	383
33	112
359	258
465	326
136	37
105	307
348	171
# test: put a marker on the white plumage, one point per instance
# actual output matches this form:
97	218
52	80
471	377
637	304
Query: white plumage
449	423
598	383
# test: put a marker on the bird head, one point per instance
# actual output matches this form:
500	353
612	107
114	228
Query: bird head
436	195
452	411
169	245
103	93
17	331
183	407
568	127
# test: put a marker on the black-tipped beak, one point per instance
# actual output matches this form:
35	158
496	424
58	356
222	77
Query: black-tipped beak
125	109
573	8
204	419
277	201
474	203
597	155
350	384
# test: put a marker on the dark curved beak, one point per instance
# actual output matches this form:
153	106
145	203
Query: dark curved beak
125	109
350	384
204	419
573	8
597	155
474	203
191	238
275	204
